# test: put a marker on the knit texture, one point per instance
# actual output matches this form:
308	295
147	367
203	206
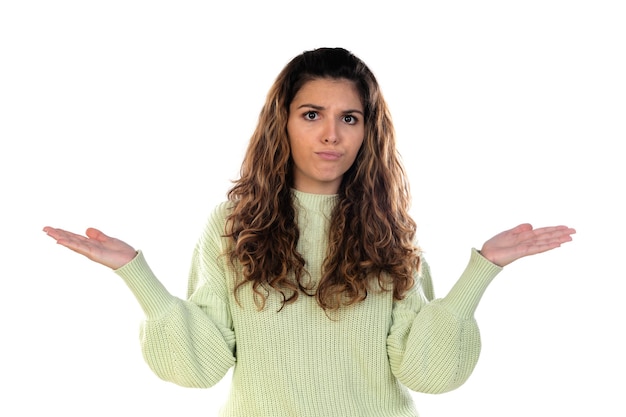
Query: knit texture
360	362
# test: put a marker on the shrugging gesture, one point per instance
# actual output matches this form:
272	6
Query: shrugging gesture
502	249
321	210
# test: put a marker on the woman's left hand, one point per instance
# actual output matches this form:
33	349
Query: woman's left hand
523	240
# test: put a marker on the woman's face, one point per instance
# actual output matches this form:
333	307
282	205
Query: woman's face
326	128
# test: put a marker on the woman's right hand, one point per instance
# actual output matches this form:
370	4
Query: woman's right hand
96	246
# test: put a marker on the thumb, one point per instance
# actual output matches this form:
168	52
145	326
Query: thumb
96	234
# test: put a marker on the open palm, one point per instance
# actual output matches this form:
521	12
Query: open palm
524	240
95	245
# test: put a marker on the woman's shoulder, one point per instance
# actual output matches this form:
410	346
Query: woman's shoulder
216	221
222	210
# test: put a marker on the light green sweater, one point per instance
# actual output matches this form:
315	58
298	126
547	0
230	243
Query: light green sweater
298	362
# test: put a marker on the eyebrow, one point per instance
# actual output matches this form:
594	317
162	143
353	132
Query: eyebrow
316	107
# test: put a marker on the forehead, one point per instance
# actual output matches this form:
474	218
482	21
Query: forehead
325	91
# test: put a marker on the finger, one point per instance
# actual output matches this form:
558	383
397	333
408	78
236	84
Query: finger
61	234
543	247
96	234
521	228
551	229
552	238
545	233
562	233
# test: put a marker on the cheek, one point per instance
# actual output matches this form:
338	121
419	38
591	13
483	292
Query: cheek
357	149
354	155
290	138
295	150
358	145
294	135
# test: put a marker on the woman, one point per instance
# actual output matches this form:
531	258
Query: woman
308	279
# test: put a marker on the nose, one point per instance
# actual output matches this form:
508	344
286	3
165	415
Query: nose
331	133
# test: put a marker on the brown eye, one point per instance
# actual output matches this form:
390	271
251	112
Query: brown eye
350	119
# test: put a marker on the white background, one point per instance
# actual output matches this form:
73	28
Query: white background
132	116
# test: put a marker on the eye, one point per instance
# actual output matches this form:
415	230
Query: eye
310	115
350	119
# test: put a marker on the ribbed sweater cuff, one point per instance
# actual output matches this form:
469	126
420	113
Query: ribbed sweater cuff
153	297
465	295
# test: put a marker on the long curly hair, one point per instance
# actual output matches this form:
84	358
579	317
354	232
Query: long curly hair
372	236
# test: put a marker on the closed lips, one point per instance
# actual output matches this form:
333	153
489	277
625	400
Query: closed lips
329	155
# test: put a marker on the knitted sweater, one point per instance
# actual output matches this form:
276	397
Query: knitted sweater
298	361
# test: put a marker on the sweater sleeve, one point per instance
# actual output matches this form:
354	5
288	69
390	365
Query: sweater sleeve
188	342
434	344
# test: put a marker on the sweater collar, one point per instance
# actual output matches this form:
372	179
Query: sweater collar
324	203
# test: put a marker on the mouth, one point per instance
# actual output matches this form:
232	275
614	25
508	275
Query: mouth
328	155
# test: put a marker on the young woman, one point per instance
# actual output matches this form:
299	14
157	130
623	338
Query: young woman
308	279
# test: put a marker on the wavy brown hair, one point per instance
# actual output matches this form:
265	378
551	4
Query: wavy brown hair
371	239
